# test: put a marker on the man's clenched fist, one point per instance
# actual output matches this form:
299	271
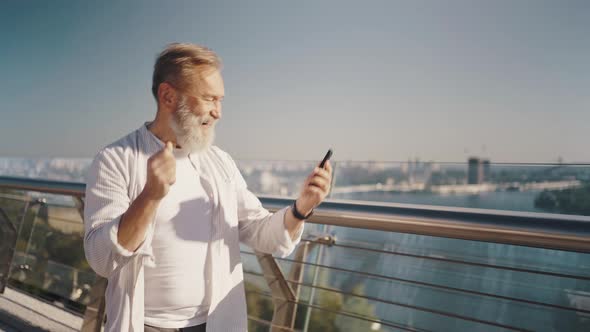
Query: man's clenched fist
161	173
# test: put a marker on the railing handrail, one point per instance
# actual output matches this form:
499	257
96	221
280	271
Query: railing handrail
76	189
543	230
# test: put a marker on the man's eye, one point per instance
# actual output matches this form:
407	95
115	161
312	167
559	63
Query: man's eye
212	99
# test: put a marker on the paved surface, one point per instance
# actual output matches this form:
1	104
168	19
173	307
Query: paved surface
21	312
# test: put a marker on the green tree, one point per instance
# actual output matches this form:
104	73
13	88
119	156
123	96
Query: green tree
259	306
358	306
325	320
567	201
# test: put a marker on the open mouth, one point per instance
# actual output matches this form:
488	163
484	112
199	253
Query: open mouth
207	123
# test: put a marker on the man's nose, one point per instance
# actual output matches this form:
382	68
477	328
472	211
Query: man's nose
216	111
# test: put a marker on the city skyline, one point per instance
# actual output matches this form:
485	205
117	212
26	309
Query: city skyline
385	81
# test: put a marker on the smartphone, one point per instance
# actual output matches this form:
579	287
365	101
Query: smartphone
326	158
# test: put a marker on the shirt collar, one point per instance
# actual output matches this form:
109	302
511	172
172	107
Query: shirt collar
155	144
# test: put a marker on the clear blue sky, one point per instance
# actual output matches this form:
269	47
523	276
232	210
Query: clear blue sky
375	80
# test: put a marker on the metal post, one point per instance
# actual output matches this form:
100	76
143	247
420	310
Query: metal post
20	227
95	310
22	219
313	282
284	296
41	205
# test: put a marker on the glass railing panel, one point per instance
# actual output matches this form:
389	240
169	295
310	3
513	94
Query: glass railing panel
49	258
14	205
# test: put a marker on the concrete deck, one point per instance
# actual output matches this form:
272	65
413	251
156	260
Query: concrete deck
22	312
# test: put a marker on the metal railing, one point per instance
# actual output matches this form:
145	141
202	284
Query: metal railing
565	237
543	230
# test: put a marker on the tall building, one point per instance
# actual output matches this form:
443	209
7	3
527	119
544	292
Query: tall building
486	170
475	173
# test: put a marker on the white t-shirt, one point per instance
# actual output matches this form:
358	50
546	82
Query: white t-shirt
176	293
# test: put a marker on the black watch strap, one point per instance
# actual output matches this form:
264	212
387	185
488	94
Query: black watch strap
297	214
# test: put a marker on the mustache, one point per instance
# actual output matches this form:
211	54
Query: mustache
190	119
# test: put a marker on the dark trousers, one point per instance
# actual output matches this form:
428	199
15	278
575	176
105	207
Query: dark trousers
197	328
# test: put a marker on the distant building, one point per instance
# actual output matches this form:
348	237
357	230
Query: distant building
486	170
477	169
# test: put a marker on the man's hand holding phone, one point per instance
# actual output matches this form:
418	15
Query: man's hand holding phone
315	188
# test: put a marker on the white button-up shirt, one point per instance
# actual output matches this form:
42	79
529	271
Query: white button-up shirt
117	176
182	225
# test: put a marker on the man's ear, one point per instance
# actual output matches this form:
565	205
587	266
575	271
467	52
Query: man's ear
167	95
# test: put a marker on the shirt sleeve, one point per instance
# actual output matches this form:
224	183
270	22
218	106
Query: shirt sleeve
106	200
260	229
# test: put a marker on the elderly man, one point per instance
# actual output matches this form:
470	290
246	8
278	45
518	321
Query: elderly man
165	210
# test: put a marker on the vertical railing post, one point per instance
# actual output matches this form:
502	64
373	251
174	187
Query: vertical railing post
285	296
95	310
8	236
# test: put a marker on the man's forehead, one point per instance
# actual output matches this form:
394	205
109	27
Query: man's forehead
207	80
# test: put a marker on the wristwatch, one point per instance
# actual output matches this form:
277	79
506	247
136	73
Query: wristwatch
297	214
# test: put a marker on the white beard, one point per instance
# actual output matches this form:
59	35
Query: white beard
190	135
